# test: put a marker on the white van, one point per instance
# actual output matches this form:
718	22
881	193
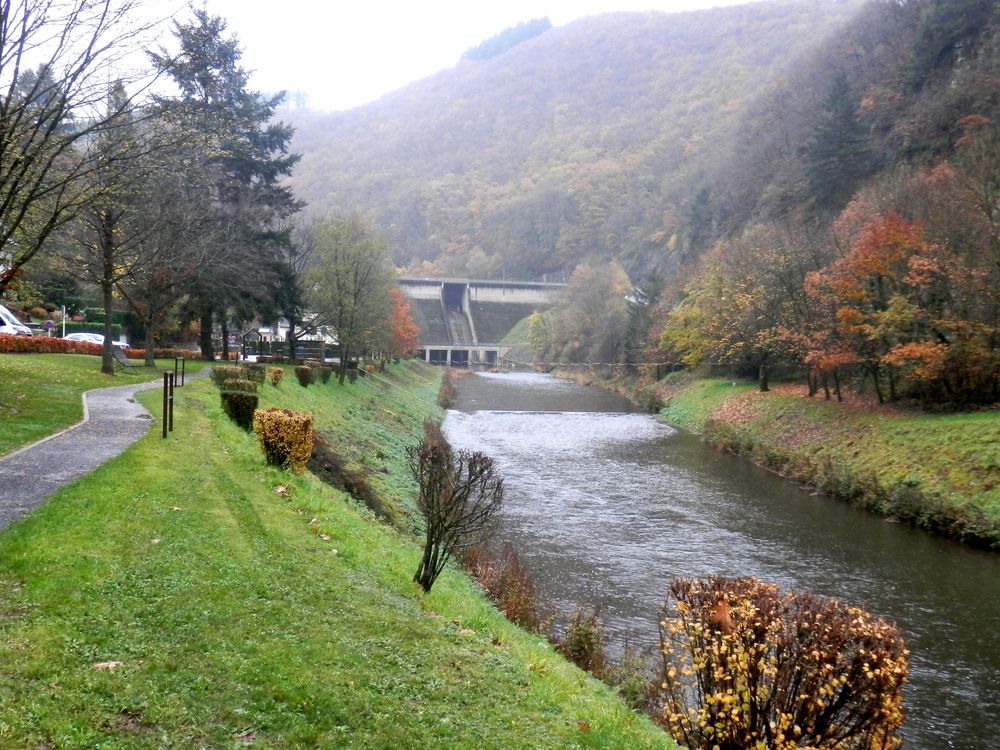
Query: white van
11	325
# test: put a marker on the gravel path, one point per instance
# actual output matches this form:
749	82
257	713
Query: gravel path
112	421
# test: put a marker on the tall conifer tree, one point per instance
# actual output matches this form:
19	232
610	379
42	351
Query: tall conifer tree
249	155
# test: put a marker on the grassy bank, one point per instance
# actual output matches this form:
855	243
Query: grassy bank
187	595
41	393
939	472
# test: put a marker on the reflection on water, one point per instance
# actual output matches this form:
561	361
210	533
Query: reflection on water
606	506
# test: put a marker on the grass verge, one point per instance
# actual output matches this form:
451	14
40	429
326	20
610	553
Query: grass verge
939	472
41	393
187	595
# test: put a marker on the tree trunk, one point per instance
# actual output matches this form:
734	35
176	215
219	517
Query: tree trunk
224	325
205	335
836	385
873	369
107	358
291	340
762	377
344	355
148	344
826	388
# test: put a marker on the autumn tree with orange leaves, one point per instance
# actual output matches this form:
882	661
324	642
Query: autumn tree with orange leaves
898	305
404	333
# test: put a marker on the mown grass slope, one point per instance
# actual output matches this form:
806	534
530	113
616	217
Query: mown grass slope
187	595
938	471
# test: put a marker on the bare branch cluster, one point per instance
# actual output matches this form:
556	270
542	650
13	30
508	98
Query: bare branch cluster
56	58
460	495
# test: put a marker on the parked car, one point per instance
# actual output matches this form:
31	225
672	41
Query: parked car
94	338
11	325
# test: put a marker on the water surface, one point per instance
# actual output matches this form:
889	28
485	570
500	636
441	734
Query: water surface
605	505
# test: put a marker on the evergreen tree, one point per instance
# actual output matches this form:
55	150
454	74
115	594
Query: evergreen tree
249	155
837	155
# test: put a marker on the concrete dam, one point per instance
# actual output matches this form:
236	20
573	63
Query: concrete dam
463	321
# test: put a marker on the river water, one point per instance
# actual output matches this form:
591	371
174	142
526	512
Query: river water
606	505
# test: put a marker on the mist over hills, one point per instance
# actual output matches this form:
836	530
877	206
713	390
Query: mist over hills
638	137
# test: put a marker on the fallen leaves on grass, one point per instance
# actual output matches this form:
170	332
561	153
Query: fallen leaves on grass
107	665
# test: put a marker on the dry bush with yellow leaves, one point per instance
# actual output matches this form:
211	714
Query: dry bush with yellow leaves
745	666
286	437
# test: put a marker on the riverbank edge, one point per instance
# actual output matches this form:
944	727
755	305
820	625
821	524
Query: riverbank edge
823	454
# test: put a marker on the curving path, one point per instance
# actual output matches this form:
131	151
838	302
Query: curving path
112	421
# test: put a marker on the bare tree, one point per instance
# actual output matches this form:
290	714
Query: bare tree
460	495
349	283
56	58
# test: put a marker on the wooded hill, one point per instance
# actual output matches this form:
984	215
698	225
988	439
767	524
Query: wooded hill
591	141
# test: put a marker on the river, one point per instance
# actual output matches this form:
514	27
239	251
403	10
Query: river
606	505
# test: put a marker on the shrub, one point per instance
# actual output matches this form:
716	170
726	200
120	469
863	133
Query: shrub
254	372
583	643
325	371
745	666
238	385
222	373
286	437
275	374
630	675
304	373
239	400
446	393
460	493
240	407
509	585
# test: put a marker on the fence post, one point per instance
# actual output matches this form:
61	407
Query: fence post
171	402
166	378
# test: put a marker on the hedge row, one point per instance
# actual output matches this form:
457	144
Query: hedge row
49	344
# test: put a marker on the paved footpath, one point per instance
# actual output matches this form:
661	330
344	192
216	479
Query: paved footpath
112	421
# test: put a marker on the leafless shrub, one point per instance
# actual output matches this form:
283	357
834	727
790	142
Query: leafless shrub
460	495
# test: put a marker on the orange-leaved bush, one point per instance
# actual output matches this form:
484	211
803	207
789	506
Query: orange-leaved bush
744	665
286	437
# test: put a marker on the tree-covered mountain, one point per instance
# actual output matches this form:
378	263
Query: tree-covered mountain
591	141
645	139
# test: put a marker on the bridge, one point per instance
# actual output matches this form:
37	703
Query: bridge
463	321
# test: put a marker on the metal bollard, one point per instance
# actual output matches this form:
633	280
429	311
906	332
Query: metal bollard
179	365
166	379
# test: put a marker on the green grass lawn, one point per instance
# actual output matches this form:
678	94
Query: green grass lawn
41	393
186	595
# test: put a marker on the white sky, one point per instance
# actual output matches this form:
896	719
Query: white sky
344	53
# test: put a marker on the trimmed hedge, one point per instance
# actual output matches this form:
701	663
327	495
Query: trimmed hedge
305	375
222	373
286	437
240	407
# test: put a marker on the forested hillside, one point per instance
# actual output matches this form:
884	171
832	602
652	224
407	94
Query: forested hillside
812	186
590	141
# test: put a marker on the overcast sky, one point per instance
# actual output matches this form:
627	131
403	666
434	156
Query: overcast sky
344	53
